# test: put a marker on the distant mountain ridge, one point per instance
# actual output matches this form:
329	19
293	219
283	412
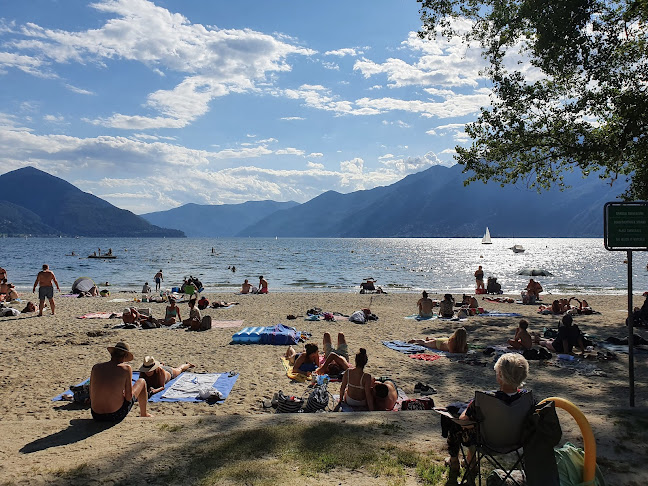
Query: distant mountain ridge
222	220
37	203
435	203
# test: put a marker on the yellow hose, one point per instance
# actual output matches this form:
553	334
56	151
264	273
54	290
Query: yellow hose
589	444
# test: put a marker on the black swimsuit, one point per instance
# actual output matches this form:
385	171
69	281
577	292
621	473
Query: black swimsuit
117	416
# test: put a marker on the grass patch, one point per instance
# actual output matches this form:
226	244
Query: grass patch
286	452
74	473
170	427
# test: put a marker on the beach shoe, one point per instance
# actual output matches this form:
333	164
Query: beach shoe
424	389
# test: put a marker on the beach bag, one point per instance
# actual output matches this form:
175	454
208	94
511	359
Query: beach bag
205	324
571	461
104	293
318	399
288	404
496	478
358	317
9	312
423	403
81	393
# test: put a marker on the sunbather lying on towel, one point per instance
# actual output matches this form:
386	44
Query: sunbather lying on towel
305	362
337	359
457	343
156	374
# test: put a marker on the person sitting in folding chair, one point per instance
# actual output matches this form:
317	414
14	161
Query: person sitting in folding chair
511	369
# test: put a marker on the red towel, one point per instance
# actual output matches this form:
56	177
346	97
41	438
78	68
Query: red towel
425	357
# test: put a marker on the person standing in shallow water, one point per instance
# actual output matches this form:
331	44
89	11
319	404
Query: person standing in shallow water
158	279
44	280
479	278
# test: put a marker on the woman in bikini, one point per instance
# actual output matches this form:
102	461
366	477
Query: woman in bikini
172	314
305	362
356	384
156	374
457	343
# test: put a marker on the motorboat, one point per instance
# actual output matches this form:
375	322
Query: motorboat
517	249
486	240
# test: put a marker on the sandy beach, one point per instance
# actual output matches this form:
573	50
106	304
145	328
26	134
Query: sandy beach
46	442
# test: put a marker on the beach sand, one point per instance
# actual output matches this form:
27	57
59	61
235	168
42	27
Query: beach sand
45	442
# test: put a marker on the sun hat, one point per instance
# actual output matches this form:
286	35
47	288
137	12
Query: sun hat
150	364
121	346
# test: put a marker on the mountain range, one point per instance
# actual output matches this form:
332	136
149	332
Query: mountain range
37	203
431	203
435	203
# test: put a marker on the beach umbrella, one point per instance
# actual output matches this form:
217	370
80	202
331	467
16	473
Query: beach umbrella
82	284
535	272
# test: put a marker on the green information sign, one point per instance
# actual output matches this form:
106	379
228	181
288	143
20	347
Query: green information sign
626	226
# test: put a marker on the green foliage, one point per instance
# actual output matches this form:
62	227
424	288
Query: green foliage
583	104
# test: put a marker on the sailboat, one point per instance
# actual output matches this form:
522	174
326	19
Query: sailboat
486	240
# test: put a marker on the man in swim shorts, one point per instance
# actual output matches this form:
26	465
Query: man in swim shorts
479	278
158	278
112	393
44	281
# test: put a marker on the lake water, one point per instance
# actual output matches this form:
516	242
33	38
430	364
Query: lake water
579	265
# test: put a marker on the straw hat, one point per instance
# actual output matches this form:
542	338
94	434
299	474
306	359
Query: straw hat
150	364
122	347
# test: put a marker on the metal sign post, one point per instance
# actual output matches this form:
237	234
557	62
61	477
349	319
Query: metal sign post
626	228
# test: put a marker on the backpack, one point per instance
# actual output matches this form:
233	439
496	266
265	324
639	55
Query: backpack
81	393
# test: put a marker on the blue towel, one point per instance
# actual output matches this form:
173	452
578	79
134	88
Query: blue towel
499	314
224	382
416	317
403	347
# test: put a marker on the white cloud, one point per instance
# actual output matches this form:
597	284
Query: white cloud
316	154
215	62
77	90
289	151
331	66
314	165
54	118
347	51
291	118
386	157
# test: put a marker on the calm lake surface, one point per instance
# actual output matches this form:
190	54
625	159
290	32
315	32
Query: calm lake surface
579	265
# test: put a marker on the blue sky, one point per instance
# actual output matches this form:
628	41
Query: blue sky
151	105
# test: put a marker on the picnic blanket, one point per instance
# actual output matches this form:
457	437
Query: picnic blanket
344	407
186	387
224	324
425	357
100	315
622	348
403	347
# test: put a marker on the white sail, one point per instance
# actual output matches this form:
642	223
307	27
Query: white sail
486	240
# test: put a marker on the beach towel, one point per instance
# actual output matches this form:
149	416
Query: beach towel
224	324
187	386
416	317
499	314
403	347
99	315
344	407
425	357
299	377
120	300
136	376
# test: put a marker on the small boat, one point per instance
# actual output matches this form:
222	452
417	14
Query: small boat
517	249
486	240
106	257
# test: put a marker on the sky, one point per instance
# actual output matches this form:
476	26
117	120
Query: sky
154	104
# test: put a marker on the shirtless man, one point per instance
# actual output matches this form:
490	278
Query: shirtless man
479	278
44	281
385	395
112	393
245	288
263	285
3	273
158	279
425	305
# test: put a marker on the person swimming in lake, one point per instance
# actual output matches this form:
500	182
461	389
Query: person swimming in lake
457	343
305	362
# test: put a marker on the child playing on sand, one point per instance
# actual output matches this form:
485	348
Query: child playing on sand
522	339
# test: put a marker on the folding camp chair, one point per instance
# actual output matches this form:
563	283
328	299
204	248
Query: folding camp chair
499	427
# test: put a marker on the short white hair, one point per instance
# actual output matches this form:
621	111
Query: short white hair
512	368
